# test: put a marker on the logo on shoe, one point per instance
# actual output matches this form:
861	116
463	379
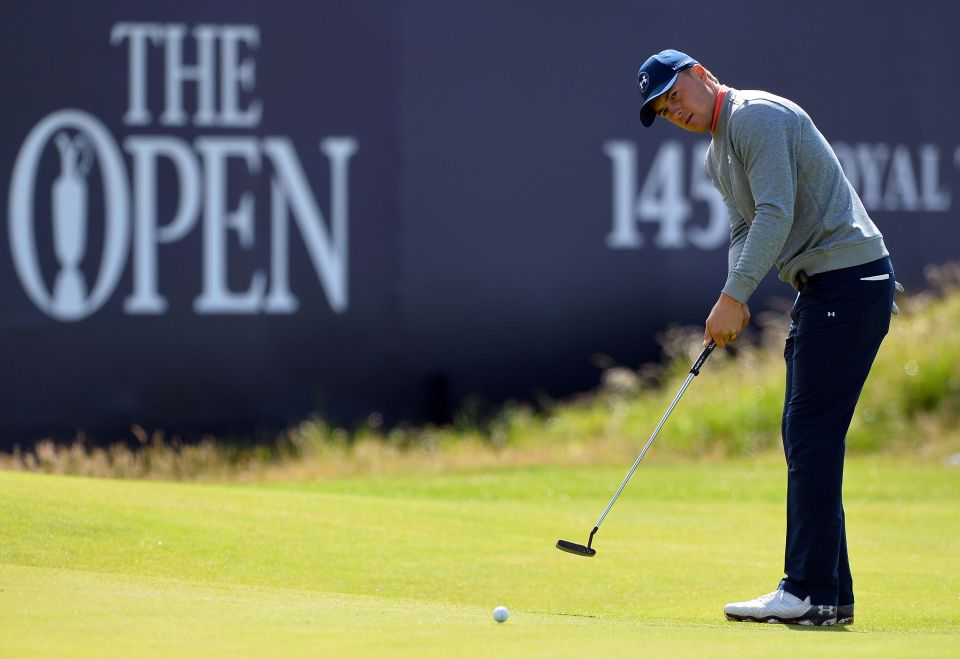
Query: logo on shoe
828	610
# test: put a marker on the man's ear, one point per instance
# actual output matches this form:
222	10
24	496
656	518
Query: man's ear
699	71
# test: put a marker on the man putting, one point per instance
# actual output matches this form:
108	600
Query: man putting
791	206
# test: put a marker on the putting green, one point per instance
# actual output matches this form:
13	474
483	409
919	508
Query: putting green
414	565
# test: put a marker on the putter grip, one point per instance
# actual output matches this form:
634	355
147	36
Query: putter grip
697	365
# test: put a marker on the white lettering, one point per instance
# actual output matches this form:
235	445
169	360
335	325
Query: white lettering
933	197
624	156
138	33
146	151
216	297
887	179
177	73
328	248
901	193
201	170
237	73
661	197
234	72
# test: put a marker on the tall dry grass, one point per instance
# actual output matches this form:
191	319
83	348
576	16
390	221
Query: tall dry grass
910	405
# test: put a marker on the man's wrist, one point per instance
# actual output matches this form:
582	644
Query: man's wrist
737	288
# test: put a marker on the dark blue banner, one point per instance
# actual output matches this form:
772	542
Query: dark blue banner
226	217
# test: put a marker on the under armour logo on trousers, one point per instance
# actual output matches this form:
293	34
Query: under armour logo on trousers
832	314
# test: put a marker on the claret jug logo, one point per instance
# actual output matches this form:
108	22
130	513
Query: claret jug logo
92	163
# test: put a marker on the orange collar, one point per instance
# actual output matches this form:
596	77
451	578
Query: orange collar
716	107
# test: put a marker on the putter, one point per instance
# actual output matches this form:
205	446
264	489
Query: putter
580	550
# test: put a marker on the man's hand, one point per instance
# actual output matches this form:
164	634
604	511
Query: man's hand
726	319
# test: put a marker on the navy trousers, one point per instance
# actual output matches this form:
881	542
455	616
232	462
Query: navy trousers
839	320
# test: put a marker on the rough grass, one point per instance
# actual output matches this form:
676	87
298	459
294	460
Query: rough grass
911	404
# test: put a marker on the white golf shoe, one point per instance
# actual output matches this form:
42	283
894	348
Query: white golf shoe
782	607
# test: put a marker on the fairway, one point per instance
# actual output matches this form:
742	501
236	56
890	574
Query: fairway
414	565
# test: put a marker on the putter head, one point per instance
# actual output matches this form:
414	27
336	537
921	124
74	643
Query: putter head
574	548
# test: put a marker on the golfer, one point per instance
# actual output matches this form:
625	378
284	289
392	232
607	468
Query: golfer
791	206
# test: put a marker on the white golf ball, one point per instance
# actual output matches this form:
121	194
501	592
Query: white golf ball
500	614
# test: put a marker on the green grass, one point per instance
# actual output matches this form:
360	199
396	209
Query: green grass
412	565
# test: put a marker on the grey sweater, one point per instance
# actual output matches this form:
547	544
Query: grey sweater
789	203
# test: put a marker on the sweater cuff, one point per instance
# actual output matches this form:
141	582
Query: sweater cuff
738	289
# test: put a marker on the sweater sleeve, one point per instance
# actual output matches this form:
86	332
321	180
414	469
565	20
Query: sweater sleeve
738	237
766	139
738	225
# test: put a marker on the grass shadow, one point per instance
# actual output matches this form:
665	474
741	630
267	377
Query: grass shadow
818	628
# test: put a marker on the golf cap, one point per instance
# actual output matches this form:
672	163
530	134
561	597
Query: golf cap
657	75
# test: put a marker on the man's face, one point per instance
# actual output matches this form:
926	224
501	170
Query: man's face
689	103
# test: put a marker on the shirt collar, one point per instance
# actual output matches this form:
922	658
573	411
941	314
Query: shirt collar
717	106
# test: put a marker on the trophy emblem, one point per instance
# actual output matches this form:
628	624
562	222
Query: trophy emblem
70	222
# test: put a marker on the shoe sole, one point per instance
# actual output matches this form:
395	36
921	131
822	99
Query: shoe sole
813	621
845	621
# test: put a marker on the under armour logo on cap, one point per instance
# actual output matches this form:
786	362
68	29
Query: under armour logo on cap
643	81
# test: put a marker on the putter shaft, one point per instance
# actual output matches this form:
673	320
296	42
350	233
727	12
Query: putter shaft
694	371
